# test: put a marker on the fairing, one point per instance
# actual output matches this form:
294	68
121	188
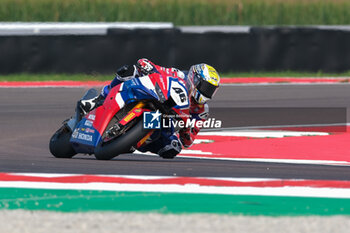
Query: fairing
155	87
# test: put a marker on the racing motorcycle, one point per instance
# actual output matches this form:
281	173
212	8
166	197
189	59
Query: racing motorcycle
117	125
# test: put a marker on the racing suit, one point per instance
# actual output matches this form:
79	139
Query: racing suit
169	144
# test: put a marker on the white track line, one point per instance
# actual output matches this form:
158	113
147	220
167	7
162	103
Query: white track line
261	160
188	188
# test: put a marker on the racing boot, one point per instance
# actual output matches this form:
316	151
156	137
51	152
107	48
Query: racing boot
171	150
90	104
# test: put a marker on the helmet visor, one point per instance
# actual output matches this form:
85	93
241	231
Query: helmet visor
206	88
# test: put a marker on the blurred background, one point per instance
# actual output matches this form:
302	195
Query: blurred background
238	37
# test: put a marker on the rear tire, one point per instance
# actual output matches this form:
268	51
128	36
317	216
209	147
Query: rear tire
122	144
60	146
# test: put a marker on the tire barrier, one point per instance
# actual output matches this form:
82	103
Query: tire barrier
255	49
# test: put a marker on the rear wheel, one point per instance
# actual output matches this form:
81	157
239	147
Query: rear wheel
60	146
121	144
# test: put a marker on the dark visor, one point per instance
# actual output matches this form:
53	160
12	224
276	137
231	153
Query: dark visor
205	88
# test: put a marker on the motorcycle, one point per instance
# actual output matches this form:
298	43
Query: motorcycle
117	125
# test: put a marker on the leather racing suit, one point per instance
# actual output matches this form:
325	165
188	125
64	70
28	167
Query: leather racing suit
169	144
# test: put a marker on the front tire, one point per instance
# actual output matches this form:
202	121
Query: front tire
60	146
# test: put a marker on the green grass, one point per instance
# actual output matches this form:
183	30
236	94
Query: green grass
99	77
181	12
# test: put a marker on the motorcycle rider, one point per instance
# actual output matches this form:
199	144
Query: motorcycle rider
202	82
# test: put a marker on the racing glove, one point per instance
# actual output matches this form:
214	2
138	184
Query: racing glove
145	66
186	137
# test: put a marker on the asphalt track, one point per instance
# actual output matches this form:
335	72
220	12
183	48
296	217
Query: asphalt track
29	116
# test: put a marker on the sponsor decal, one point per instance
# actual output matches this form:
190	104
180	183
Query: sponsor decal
91	117
129	117
88	130
85	137
163	83
88	123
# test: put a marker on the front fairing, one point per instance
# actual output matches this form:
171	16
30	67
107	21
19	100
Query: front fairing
139	89
85	136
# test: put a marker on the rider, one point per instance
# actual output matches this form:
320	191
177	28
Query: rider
202	82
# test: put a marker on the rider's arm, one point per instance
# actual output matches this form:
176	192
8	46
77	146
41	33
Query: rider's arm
200	113
142	67
148	67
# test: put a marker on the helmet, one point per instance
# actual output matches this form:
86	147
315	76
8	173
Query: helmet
205	81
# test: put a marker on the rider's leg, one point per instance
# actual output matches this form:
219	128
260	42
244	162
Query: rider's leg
166	145
124	73
88	105
171	148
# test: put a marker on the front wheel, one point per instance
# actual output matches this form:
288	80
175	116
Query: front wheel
60	146
122	144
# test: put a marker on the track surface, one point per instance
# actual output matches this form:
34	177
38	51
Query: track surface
28	118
